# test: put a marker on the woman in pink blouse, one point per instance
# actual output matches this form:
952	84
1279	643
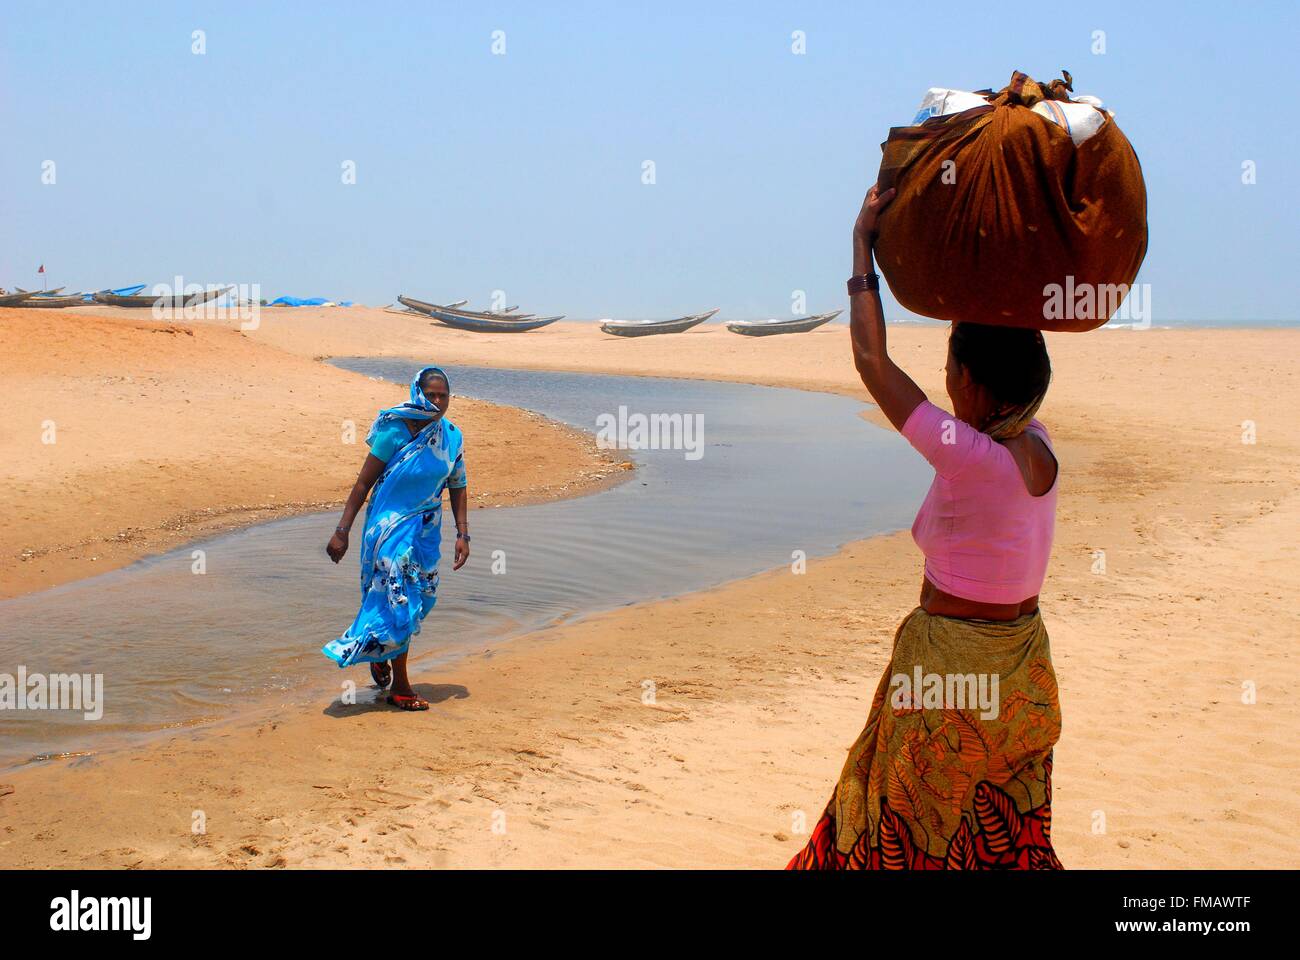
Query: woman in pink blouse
953	769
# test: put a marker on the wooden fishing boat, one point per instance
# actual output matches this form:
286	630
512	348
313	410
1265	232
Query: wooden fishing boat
411	301
176	301
457	308
15	299
41	293
647	328
475	320
769	328
479	325
50	301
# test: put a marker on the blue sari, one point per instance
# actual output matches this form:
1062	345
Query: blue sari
403	533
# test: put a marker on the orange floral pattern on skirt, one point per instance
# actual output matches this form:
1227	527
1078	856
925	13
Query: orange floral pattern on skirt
943	785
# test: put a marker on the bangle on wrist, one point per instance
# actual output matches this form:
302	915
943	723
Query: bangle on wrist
863	282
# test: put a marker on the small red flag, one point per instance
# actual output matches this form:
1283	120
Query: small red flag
42	270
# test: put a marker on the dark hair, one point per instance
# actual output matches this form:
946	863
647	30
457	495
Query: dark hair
1010	362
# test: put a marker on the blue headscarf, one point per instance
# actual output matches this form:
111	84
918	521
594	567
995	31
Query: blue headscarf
419	407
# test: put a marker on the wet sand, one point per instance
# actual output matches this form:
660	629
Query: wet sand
544	752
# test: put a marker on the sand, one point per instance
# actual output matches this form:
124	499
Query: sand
163	432
543	752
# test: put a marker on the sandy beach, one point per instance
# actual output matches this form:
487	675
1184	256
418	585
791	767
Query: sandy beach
127	436
543	752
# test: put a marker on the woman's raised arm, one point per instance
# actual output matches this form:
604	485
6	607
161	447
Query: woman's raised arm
894	391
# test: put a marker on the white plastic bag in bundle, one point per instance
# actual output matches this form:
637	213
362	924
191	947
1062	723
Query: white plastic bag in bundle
1080	118
942	102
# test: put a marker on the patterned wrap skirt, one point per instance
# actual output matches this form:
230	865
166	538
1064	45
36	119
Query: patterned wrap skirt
953	770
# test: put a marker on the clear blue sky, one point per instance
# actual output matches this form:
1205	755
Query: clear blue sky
523	172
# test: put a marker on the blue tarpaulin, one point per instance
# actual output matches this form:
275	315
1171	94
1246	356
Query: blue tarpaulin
120	291
306	302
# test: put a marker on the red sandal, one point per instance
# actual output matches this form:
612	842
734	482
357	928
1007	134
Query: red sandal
403	702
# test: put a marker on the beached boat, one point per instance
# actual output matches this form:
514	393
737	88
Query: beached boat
479	325
433	309
175	301
478	321
50	301
647	328
411	302
769	328
15	299
41	293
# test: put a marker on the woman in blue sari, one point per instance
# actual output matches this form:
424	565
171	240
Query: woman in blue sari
415	454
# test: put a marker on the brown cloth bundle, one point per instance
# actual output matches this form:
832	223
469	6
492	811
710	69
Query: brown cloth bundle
1023	228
